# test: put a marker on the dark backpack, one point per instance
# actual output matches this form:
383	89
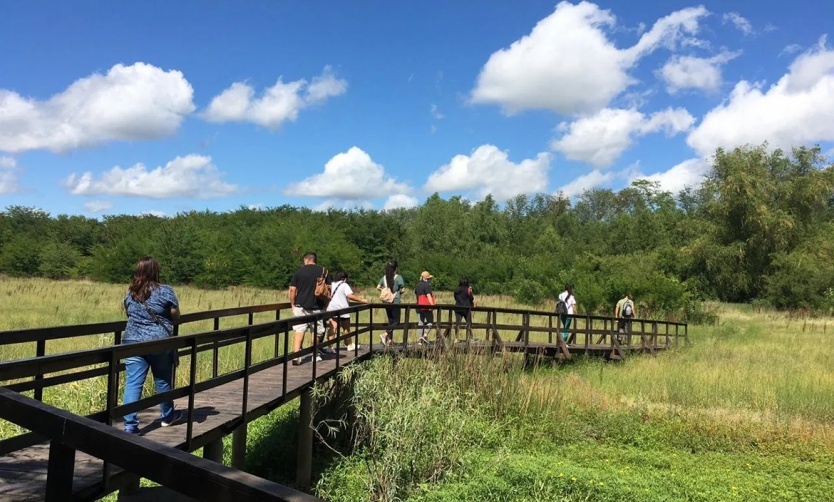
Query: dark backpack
628	309
562	306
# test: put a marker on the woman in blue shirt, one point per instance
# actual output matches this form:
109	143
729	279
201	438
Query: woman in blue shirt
151	310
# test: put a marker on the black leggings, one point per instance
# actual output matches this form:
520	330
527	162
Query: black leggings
462	315
393	320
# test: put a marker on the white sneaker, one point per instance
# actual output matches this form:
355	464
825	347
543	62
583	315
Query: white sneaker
352	347
318	357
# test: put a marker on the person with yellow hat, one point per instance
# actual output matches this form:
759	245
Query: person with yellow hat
425	298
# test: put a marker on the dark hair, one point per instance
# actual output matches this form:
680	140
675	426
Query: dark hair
341	276
390	273
569	289
311	256
145	278
464	282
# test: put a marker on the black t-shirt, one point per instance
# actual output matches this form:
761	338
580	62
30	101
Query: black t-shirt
304	280
463	298
424	288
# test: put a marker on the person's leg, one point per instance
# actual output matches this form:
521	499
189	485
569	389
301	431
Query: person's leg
137	369
344	324
395	322
565	333
428	322
458	317
162	367
468	317
299	329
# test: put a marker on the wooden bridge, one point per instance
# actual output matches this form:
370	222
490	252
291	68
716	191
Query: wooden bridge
227	378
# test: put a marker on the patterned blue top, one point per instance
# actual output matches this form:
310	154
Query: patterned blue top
141	325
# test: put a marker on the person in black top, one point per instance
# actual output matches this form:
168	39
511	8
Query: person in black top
465	300
425	297
304	302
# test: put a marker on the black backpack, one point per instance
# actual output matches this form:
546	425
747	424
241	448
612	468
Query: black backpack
562	306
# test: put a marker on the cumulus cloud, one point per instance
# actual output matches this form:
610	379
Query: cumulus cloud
797	110
601	138
586	182
739	21
568	64
139	101
690	72
280	103
400	201
95	206
193	176
351	175
490	171
435	112
790	49
690	172
8	175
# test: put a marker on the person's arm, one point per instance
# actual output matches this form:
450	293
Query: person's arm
617	310
292	293
175	313
352	297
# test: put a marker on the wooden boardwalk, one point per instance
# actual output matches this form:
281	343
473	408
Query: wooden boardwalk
23	473
25	461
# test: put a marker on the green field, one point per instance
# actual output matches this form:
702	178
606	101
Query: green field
744	413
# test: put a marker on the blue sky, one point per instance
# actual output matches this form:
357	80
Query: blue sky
163	107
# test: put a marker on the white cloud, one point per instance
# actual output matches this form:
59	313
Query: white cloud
280	103
8	175
153	212
490	171
343	205
688	173
689	72
190	176
351	175
586	182
435	112
790	49
739	21
796	110
139	101
601	138
95	206
568	64
400	200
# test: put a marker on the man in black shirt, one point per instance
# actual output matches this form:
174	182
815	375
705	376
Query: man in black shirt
304	302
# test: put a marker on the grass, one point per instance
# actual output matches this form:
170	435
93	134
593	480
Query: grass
744	413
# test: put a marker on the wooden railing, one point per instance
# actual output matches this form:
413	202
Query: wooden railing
501	328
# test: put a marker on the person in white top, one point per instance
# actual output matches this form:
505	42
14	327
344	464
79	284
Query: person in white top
570	302
341	292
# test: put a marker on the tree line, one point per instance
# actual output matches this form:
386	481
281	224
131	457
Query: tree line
760	228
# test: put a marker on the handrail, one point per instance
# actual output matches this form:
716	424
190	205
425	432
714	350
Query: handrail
180	471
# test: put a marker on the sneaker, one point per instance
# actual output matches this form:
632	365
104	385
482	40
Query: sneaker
296	361
134	431
423	340
176	417
327	350
352	347
384	339
319	358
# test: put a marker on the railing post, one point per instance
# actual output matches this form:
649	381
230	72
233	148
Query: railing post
247	362
192	377
304	460
214	451
239	446
40	351
60	472
286	358
215	356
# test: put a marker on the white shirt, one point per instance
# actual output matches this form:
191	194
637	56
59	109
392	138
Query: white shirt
339	296
570	302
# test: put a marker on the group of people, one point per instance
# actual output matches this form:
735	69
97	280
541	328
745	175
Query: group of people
464	301
624	311
152	308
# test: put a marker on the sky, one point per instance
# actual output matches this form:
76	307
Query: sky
160	107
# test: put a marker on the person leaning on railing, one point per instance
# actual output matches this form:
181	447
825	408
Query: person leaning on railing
151	310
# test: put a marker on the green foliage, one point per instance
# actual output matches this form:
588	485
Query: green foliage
759	228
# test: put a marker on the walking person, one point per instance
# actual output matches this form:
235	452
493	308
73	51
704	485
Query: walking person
151	309
305	302
566	307
464	301
624	311
425	313
393	281
341	295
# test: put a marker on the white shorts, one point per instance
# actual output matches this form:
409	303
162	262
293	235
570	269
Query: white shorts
316	327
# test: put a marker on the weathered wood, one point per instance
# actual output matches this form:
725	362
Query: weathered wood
304	461
60	471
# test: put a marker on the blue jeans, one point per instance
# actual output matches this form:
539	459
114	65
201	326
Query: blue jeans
161	365
566	327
